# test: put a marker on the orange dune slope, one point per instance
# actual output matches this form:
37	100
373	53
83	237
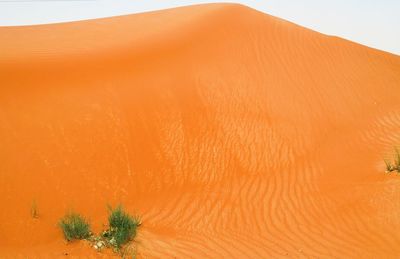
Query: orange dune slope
234	134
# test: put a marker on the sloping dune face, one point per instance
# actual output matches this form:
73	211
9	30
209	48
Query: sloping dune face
233	133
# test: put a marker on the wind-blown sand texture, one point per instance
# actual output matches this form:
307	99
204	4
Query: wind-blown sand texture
233	133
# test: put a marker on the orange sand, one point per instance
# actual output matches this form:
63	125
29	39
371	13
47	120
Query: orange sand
233	133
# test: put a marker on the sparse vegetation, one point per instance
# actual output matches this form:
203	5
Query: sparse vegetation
34	210
389	166
397	160
74	226
122	227
393	165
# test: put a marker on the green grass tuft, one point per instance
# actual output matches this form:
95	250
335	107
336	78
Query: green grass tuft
74	226
122	227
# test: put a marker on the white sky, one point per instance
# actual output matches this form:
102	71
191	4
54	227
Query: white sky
375	23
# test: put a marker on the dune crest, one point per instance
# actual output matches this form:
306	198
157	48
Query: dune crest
233	133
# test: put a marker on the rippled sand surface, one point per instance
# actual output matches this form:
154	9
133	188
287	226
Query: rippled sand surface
233	133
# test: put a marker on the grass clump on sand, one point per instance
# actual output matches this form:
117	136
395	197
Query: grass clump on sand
397	160
74	226
122	227
394	165
34	210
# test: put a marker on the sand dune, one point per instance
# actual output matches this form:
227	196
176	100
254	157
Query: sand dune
233	133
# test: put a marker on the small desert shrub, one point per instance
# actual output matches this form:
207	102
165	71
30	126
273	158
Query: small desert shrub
395	166
122	227
34	210
74	226
389	166
397	160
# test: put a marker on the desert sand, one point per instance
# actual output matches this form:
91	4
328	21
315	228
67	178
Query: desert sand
234	134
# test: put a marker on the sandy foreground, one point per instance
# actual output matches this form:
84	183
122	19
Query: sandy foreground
234	134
